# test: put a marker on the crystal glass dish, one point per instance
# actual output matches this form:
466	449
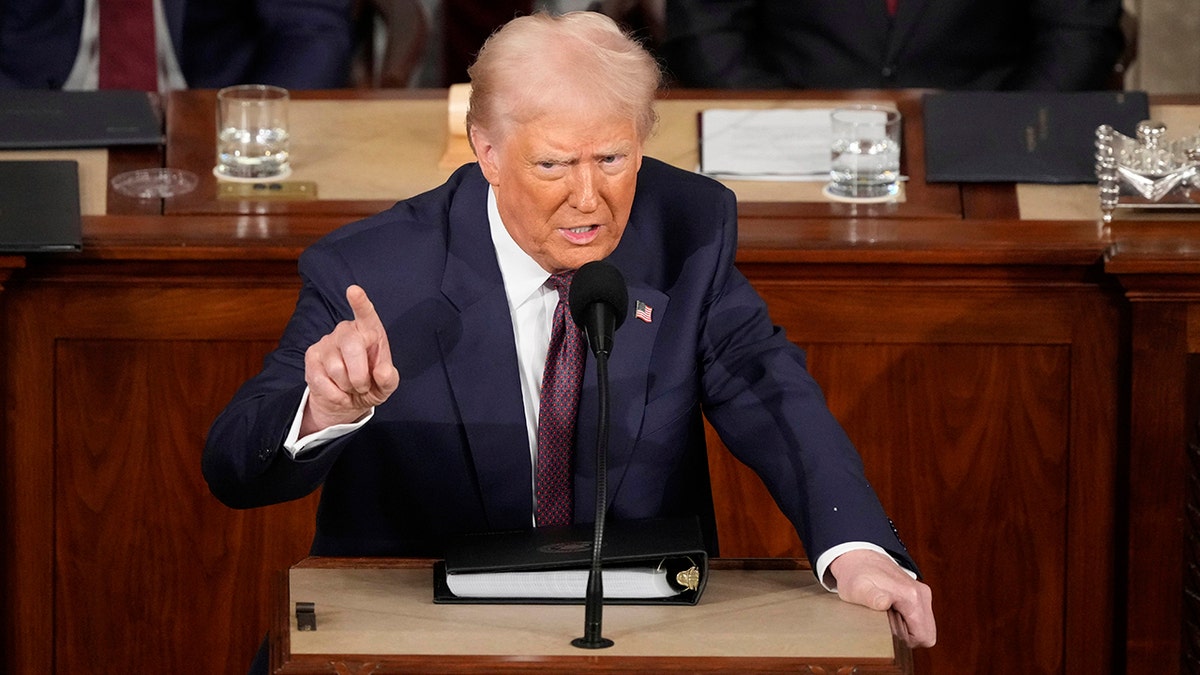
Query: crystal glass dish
154	183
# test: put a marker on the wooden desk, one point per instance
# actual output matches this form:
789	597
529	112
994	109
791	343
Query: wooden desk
1158	265
98	166
981	363
366	149
378	616
973	366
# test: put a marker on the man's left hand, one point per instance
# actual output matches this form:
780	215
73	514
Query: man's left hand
874	580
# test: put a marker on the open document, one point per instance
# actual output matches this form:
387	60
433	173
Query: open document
778	144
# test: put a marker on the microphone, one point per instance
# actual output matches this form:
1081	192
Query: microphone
599	302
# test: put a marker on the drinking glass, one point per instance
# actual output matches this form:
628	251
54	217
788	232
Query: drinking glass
252	133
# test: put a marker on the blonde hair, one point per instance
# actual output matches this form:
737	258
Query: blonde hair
539	62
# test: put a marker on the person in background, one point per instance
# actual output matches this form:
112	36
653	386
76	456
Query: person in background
409	383
1059	45
174	44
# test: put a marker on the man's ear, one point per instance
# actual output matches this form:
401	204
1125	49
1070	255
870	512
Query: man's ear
487	154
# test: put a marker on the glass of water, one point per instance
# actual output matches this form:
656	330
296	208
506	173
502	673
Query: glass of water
865	153
252	133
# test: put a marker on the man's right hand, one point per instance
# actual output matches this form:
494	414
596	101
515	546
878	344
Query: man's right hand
350	370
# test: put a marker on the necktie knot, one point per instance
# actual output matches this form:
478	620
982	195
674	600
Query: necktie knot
561	282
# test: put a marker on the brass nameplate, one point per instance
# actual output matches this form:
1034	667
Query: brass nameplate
285	190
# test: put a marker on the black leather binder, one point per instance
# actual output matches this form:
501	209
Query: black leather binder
1022	137
675	544
38	118
39	206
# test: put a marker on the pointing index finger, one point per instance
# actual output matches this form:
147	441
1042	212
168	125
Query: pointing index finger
364	310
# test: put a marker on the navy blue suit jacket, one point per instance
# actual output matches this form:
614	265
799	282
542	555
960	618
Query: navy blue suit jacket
448	452
844	44
297	44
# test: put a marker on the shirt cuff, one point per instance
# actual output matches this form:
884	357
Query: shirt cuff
827	558
295	445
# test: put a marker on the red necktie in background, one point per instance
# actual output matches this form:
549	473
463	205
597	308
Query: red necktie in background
128	59
557	409
891	5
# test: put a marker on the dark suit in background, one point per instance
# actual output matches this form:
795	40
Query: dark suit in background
845	44
466	24
448	452
297	44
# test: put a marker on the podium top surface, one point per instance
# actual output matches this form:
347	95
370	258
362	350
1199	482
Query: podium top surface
377	613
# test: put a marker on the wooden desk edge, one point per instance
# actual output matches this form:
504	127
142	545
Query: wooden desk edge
282	662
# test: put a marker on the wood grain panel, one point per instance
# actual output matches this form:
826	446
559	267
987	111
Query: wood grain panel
1157	487
985	410
118	554
979	378
1191	549
979	429
141	547
891	310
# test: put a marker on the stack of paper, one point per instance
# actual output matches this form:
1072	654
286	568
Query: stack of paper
777	144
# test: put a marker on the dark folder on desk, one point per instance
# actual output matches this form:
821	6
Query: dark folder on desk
39	206
38	119
674	545
1022	137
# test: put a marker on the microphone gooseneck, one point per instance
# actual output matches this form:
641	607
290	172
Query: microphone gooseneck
599	302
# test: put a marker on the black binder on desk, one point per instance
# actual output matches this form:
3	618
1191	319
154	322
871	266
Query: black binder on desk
32	119
39	206
672	547
1022	136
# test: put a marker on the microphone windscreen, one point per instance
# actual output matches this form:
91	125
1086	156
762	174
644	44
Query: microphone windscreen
599	281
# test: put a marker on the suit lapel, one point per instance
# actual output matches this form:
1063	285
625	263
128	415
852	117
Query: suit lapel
481	363
628	376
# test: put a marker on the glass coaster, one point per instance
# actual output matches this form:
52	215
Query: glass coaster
154	183
282	175
883	199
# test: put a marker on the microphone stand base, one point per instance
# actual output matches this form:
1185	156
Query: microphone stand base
592	643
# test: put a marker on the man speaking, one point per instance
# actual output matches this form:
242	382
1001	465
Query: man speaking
430	383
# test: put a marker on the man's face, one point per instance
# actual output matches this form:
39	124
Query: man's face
564	183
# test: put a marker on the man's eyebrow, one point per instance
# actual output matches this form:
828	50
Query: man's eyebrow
617	149
553	157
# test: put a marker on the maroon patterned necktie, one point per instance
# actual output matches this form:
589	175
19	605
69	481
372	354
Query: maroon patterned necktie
128	59
556	418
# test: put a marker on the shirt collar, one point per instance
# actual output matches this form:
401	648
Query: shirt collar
524	279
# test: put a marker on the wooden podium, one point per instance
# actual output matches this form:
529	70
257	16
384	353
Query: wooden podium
378	616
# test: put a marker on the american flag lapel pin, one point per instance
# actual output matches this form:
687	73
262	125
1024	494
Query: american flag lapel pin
643	311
